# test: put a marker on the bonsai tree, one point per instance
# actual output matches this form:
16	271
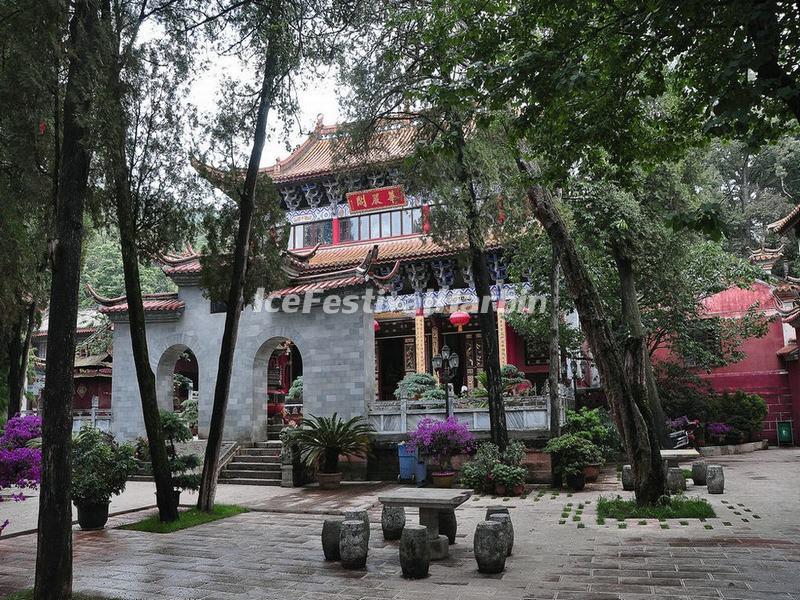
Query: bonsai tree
415	385
594	425
180	465
190	413
323	440
478	473
100	469
295	393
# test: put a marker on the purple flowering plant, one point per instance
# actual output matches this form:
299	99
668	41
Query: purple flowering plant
719	429
20	466
20	430
442	440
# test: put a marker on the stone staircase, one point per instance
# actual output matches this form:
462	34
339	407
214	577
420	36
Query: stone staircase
256	464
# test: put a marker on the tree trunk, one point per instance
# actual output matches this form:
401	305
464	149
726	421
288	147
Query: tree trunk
486	313
208	483
637	342
14	351
54	534
554	349
628	399
126	219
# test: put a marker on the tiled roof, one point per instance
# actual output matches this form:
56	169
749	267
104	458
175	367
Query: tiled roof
150	305
783	225
320	286
789	351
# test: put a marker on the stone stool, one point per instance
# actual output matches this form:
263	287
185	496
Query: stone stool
415	552
358	515
676	482
496	510
393	519
353	544
715	479
331	530
508	529
699	472
448	525
490	547
628	482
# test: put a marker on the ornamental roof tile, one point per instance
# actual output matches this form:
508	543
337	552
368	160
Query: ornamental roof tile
781	226
150	305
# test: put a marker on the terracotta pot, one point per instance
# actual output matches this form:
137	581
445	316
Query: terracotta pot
500	489
443	480
591	472
518	490
329	481
92	515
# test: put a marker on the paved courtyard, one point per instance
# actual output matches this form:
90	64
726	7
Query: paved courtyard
750	551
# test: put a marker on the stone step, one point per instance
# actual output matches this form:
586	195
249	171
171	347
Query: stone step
266	452
249	474
256	460
269	444
241	481
253	466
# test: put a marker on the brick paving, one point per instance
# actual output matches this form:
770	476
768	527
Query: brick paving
278	555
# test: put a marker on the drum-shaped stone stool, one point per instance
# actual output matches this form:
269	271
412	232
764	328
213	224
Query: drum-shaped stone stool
699	472
415	551
496	509
448	525
628	482
508	529
353	544
490	547
393	519
331	529
358	515
676	482
715	479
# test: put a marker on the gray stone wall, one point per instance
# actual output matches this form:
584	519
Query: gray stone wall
338	352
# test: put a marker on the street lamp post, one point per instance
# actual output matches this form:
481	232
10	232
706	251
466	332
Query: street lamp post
445	364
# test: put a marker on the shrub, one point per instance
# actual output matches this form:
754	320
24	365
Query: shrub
433	395
176	431
190	413
668	507
295	393
21	430
744	412
478	473
324	439
413	385
596	426
442	440
100	466
574	452
20	465
508	476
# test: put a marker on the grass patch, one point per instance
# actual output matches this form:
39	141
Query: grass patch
188	518
684	523
678	507
642	522
561	522
28	595
581	525
576	518
601	521
707	526
687	473
664	526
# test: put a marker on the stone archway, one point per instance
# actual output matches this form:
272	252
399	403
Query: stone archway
276	364
174	356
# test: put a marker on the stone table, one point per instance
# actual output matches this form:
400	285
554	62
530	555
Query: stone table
673	457
429	501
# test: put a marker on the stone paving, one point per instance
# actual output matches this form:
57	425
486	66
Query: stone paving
278	555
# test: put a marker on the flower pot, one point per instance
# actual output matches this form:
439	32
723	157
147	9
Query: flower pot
500	489
176	496
591	472
329	481
443	479
92	515
518	490
576	481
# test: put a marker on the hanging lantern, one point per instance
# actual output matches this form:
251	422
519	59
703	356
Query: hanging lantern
376	326
459	319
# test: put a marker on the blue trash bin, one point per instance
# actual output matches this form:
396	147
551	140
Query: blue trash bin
408	462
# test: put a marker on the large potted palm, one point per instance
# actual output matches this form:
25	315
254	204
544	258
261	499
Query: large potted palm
322	440
100	468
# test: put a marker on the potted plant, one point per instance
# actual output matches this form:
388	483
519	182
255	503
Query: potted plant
508	480
596	427
180	465
322	440
100	468
441	440
573	453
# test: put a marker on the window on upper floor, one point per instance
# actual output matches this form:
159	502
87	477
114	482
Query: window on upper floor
305	235
372	226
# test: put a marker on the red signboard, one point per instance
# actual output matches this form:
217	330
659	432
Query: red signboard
377	199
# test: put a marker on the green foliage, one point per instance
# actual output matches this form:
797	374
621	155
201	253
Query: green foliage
295	393
742	411
534	328
682	392
596	426
100	466
574	452
436	394
176	431
414	385
324	439
478	472
508	476
186	519
669	507
190	411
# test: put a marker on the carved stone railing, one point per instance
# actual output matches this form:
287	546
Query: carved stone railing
100	418
523	413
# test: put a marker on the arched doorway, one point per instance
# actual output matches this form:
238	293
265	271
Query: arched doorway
177	380
278	383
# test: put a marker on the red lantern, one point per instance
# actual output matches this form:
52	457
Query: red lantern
459	319
376	326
